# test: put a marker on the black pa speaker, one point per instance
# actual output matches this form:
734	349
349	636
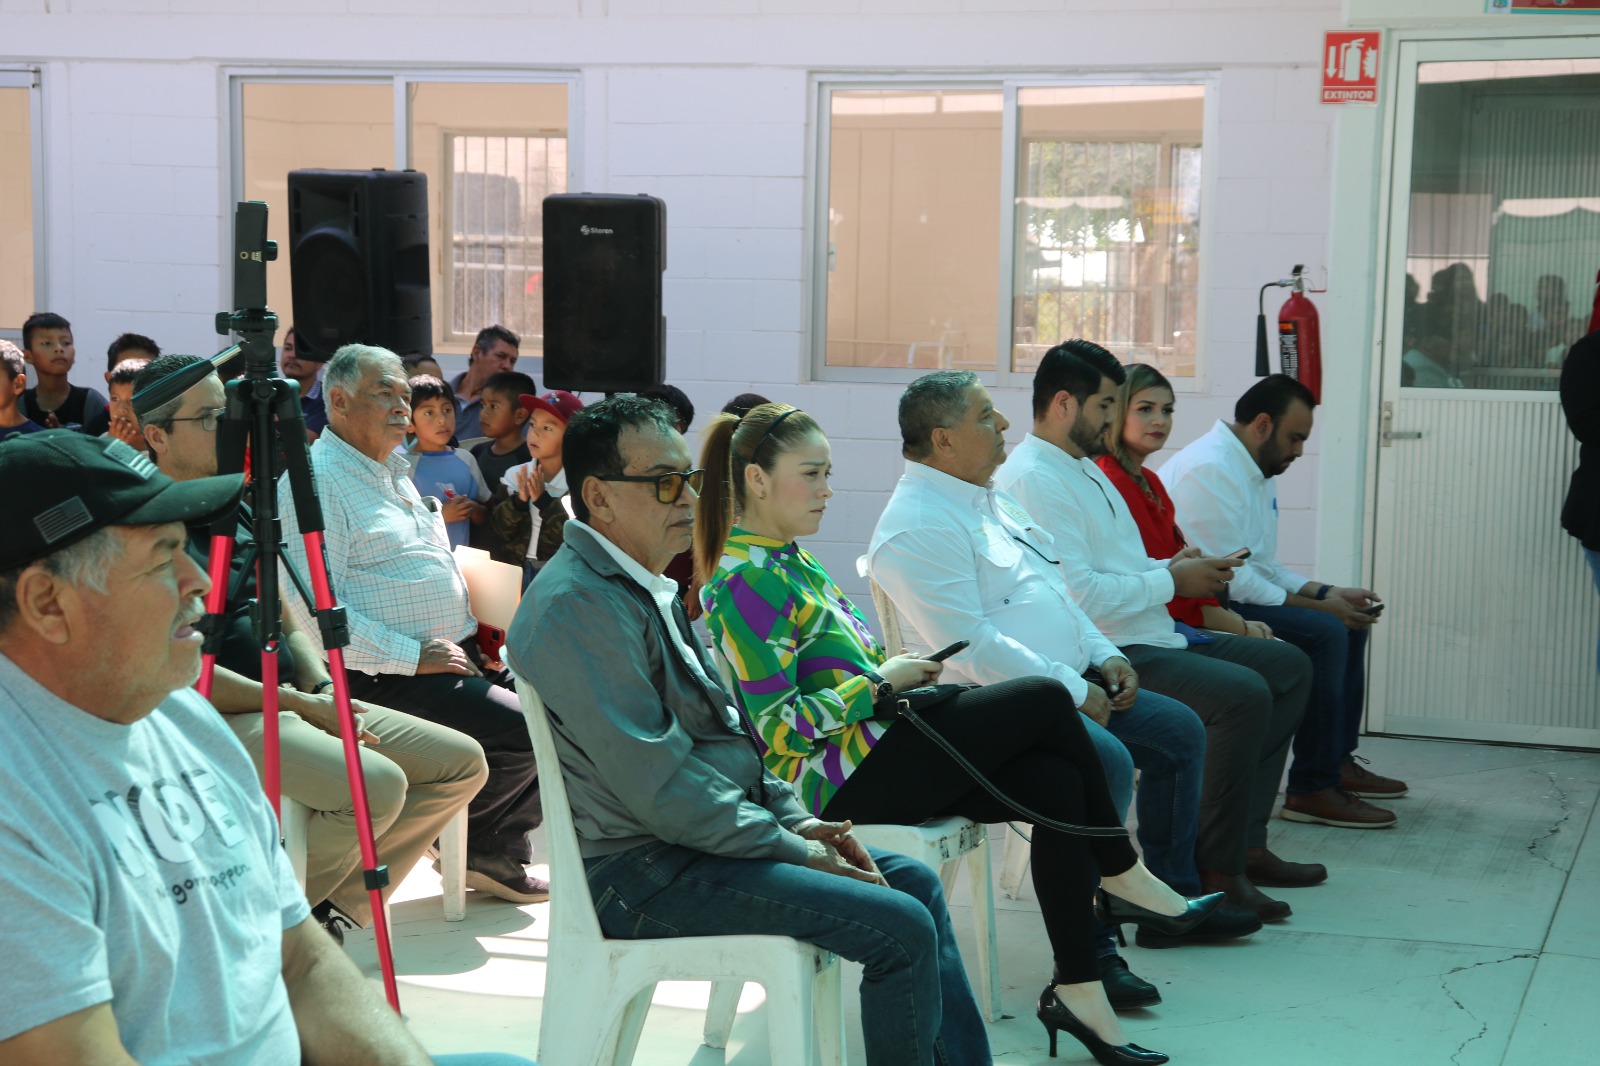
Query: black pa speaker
358	260
603	258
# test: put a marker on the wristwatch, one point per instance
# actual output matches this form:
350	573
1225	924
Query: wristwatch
881	688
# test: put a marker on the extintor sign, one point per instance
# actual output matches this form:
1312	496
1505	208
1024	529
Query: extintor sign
1350	66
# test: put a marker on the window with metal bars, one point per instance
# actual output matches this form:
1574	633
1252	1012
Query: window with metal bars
498	183
1108	247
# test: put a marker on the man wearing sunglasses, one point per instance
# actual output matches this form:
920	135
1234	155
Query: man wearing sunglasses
683	831
413	639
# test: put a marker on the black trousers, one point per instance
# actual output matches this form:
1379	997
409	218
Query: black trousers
500	817
1027	738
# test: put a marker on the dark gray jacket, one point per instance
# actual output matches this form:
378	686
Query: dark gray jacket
649	751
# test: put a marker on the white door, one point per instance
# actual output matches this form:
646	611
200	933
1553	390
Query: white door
1493	245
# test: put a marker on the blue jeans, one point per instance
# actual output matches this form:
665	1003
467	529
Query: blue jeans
1331	728
916	1004
1594	566
1167	742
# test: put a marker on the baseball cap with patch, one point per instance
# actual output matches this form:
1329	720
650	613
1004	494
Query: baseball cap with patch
61	486
558	403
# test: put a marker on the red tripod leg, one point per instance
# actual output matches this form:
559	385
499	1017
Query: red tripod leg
376	877
216	603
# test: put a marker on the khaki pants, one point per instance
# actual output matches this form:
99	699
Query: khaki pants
418	777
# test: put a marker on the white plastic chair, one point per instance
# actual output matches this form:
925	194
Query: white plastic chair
939	843
296	821
1019	852
598	990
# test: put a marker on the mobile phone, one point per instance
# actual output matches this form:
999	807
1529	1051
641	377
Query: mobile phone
490	640
1375	610
944	653
1242	553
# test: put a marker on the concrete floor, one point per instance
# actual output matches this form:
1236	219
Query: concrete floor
1469	934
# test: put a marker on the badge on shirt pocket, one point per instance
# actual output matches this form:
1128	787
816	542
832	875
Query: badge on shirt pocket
995	544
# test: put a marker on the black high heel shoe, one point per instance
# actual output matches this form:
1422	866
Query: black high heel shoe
1119	912
1055	1015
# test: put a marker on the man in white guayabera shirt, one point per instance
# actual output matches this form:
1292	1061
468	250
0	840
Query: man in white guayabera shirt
1250	693
1223	492
150	915
964	561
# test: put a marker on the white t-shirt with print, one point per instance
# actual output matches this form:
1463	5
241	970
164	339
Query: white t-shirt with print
142	867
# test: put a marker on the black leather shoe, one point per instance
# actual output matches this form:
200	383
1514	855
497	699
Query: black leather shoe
1125	989
333	920
1241	894
1266	870
1224	923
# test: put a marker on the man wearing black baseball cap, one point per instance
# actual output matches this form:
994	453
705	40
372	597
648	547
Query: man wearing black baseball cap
150	914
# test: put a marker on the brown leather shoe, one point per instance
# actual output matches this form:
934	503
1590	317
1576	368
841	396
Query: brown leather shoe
1337	807
1268	871
1239	892
1354	777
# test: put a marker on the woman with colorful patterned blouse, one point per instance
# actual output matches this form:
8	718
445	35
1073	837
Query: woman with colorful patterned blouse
820	690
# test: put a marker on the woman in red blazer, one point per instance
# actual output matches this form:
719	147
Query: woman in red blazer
1143	422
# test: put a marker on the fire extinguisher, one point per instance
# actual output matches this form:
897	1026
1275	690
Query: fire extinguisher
1299	335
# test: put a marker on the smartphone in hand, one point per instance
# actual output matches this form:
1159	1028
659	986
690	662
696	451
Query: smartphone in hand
1242	553
1374	611
944	653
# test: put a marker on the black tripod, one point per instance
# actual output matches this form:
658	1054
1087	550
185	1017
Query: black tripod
264	424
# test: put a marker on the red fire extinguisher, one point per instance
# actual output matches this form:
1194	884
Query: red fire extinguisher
1299	335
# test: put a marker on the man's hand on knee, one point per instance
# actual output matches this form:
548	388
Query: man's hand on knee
318	709
833	850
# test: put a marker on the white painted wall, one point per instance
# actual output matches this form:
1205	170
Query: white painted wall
702	102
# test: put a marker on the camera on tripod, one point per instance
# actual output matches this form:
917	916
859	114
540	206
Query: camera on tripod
251	320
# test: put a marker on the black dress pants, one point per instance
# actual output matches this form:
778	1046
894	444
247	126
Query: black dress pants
500	817
1027	738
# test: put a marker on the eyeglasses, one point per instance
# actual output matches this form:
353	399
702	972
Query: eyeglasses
208	420
669	486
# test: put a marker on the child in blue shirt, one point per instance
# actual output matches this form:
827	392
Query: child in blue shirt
450	475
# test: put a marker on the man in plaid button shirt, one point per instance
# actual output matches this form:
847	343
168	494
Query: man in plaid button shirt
413	640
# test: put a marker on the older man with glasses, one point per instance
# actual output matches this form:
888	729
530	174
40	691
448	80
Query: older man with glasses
418	773
683	831
413	640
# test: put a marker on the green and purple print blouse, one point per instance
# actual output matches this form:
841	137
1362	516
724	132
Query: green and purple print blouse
798	649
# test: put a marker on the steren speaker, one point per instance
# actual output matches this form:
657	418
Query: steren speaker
358	260
603	260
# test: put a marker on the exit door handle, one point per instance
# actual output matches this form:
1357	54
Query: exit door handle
1386	435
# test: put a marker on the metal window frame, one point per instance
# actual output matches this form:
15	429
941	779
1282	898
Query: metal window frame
815	230
447	305
32	79
1167	145
236	77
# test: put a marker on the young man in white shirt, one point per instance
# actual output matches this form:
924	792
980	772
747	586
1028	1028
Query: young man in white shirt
962	561
1223	492
1250	693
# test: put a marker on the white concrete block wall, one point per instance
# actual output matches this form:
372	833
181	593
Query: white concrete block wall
701	102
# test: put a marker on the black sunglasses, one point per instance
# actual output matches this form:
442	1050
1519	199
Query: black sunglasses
669	486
